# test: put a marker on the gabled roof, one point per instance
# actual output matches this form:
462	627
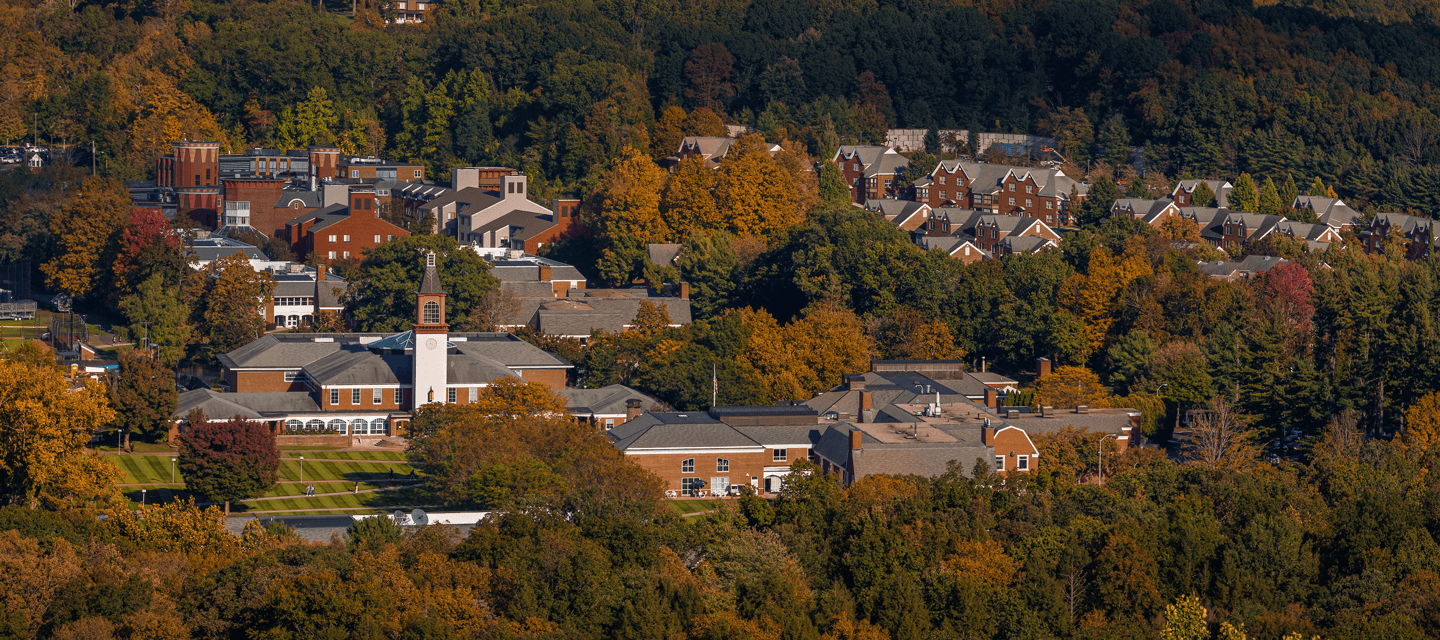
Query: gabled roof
250	406
1259	225
867	154
1331	211
609	400
522	224
1221	189
676	430
1027	244
986	178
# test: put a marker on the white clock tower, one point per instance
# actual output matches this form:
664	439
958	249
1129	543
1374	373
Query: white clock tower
431	338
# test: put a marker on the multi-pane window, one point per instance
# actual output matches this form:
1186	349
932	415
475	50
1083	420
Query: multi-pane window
1012	202
779	455
1029	189
399	396
294	301
1029	202
295	376
722	464
687	465
1011	186
942	193
474	394
376	397
432	313
334	396
691	486
450	395
354	396
417	173
999	463
942	179
377	238
347	237
332	237
1022	463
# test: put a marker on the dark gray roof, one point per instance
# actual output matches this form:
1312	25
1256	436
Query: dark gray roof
663	254
358	365
293	351
521	223
252	406
216	247
903	458
430	283
582	316
308	199
678	431
605	400
807	435
1097	421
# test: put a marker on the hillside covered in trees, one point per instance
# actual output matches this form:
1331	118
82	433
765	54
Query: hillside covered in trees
1344	91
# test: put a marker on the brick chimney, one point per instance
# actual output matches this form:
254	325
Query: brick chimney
544	273
992	398
633	409
987	435
684	290
320	273
856	437
1042	367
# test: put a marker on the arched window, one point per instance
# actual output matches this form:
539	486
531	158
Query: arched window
432	313
377	427
293	425
359	426
337	425
315	424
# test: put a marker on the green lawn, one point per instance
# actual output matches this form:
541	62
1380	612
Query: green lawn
140	447
373	501
344	455
156	470
687	507
309	448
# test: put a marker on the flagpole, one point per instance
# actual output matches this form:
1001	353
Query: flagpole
714	385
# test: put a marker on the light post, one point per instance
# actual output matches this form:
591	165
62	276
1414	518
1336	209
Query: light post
302	468
142	497
172	471
1100	457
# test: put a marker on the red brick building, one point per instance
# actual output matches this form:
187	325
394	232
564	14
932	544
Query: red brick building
870	171
341	231
1039	193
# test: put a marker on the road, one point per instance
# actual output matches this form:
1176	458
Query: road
318	528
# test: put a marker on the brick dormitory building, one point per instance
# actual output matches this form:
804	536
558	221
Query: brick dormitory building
902	417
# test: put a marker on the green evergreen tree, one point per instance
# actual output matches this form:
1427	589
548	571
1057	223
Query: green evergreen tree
1270	203
1203	196
143	395
1289	191
156	314
1114	141
1317	188
832	184
711	267
1245	196
1098	201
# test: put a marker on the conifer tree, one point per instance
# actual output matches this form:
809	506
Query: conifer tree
1203	196
1270	203
1245	196
1289	191
832	184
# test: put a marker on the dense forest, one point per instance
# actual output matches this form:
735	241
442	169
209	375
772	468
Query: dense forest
1339	90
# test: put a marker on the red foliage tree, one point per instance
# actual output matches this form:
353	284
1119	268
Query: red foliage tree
1286	290
148	245
709	69
227	461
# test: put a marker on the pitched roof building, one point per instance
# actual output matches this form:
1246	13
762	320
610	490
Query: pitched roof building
870	171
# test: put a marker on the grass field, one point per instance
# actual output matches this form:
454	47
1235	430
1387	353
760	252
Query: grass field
344	455
140	447
688	507
309	448
362	501
156	470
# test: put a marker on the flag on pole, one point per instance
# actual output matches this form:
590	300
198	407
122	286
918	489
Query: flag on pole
714	385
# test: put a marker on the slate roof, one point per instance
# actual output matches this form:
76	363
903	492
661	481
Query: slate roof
605	401
1211	221
1147	211
986	178
358	365
478	357
217	247
663	254
1331	211
581	316
1115	421
252	406
1026	244
910	458
676	430
781	435
308	199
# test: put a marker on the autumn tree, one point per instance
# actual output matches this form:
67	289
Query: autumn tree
650	319
1422	424
908	335
1069	387
687	205
148	247
754	195
669	131
1072	132
703	122
381	296
708	70
87	230
1219	437
44	427
143	394
1185	620
517	448
498	308
225	298
229	461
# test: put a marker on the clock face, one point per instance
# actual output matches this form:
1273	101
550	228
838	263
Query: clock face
430	344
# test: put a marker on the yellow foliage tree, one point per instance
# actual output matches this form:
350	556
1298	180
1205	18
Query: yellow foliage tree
629	198
688	205
669	131
754	193
87	230
1069	387
831	340
44	426
1093	296
1422	424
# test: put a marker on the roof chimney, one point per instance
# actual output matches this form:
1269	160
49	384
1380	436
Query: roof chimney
633	409
320	273
1042	367
1047	412
1084	408
854	381
544	273
856	437
464	178
512	186
684	290
992	398
987	434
